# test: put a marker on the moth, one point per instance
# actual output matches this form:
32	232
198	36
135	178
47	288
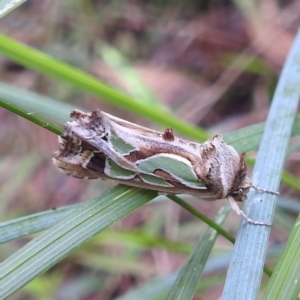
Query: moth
99	145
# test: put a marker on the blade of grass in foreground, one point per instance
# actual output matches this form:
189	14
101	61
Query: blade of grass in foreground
285	281
49	248
245	271
30	224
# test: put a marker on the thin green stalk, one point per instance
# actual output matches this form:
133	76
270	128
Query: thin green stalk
31	117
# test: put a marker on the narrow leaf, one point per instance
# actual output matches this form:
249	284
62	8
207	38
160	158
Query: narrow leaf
285	281
245	271
52	246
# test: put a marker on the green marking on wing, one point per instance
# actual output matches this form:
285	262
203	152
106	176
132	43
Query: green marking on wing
154	180
177	168
120	145
115	171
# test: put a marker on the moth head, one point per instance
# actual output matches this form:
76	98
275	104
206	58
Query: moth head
241	191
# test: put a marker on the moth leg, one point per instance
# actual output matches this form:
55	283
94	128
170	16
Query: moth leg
237	209
264	190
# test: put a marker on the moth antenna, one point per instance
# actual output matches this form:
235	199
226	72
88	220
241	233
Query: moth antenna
240	212
264	190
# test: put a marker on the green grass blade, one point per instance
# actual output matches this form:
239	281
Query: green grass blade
6	6
245	271
248	138
243	140
31	117
285	281
187	280
49	248
49	66
202	217
34	223
52	110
